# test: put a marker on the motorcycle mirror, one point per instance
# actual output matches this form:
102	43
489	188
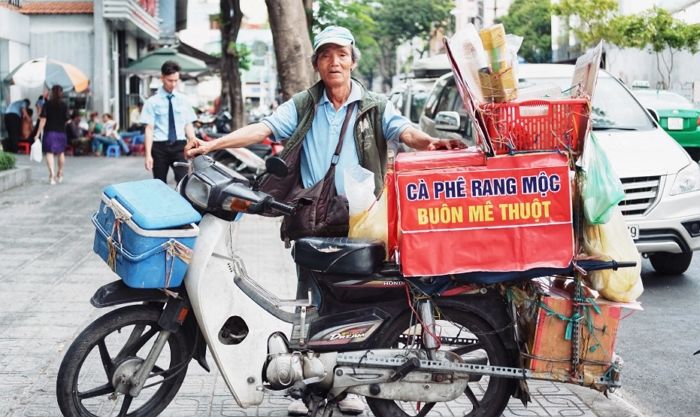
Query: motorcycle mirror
276	166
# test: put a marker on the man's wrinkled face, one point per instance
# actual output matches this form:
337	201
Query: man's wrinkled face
334	64
170	81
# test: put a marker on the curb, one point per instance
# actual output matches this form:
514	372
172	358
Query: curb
612	406
14	177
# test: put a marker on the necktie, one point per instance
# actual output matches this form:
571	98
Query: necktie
172	133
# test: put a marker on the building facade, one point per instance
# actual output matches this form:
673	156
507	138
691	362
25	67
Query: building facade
99	37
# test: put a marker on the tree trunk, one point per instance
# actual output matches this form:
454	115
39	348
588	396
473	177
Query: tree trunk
231	90
292	46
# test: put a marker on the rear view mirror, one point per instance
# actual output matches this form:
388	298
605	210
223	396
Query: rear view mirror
448	121
654	115
276	166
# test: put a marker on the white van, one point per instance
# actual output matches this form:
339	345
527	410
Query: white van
662	183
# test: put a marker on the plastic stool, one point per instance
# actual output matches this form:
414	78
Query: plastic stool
138	149
23	147
113	151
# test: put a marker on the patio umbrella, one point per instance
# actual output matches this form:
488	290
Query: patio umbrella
151	63
48	72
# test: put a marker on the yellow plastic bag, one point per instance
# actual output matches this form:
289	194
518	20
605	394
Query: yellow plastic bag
611	241
371	223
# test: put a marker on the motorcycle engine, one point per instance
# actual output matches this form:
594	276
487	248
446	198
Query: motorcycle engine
285	368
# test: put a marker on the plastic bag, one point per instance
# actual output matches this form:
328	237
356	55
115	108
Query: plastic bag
371	223
35	151
612	241
601	189
368	215
359	189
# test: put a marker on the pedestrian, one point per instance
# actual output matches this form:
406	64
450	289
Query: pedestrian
52	132
15	113
314	118
168	117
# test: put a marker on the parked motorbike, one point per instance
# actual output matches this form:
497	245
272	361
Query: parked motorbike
249	162
405	344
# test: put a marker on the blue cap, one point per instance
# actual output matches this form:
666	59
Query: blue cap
337	35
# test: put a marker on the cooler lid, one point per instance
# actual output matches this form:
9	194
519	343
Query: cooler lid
153	205
417	161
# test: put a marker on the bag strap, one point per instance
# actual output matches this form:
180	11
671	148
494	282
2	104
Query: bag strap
348	114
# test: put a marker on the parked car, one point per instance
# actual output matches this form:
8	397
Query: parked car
409	95
661	182
677	116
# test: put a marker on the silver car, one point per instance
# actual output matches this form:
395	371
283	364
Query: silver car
662	183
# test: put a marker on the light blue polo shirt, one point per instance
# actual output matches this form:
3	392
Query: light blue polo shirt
321	140
155	113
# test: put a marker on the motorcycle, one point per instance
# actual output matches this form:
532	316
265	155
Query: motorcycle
249	161
405	344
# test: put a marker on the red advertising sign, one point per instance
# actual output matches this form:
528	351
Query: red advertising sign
507	213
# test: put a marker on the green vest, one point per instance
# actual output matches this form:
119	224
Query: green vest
369	135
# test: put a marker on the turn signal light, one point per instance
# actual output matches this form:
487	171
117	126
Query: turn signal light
236	204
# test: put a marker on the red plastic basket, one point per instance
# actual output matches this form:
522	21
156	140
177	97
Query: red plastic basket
555	124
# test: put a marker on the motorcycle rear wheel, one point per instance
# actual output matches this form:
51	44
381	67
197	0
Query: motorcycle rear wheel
86	377
487	397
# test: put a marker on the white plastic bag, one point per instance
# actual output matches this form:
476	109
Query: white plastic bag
35	151
359	189
612	241
368	215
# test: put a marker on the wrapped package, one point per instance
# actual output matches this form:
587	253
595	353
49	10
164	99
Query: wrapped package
612	241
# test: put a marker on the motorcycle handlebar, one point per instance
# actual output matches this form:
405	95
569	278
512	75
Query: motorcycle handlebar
282	208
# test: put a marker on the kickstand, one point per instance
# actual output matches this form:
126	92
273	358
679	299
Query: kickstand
315	404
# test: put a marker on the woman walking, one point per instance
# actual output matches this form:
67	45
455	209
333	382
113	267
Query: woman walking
52	122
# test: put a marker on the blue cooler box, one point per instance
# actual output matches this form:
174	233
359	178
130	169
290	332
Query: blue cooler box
145	231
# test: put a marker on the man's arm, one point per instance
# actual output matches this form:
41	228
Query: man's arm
148	146
248	135
419	140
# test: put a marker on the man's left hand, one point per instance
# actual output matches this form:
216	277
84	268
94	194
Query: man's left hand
438	144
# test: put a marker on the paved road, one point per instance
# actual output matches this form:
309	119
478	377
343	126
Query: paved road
48	273
661	378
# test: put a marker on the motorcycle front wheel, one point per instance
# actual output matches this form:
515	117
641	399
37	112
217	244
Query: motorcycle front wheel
108	351
475	341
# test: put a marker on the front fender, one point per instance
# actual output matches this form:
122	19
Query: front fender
117	292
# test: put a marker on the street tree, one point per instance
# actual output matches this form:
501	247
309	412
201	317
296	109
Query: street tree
234	58
657	30
531	19
292	45
589	20
398	21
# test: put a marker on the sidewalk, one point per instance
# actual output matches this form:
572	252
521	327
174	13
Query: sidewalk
48	274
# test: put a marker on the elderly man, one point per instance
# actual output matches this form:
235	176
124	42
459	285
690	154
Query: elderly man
315	117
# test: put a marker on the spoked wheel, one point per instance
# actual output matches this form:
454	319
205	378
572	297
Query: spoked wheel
476	342
91	378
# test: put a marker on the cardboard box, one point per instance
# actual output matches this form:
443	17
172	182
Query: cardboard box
459	211
550	349
499	86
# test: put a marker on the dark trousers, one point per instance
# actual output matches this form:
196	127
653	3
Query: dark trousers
164	156
13	124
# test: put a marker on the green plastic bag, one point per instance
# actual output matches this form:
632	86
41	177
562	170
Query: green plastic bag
601	189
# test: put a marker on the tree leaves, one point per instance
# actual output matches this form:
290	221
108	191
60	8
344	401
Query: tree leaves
531	19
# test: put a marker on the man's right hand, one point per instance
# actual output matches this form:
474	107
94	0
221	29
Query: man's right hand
149	162
196	147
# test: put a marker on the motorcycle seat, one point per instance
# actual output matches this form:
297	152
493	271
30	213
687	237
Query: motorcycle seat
339	255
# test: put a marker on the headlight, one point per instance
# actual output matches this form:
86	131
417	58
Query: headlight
197	191
687	180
